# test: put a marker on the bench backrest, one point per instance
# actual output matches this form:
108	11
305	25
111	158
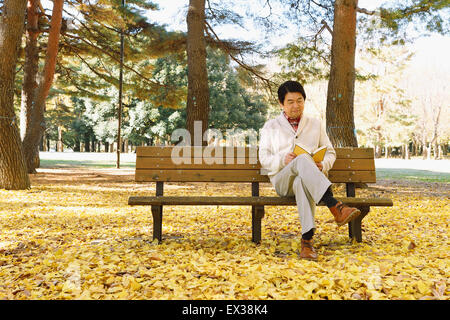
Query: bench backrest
237	164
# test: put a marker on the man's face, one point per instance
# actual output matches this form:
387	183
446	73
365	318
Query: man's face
293	104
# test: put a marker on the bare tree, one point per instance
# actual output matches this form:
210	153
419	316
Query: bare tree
430	95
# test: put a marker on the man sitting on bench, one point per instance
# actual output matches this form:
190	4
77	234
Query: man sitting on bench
300	175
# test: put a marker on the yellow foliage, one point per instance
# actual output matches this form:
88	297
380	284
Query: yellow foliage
78	239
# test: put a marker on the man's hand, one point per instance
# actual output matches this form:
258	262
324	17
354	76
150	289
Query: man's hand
289	157
319	165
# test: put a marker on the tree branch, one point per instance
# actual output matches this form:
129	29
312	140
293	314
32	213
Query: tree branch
270	8
320	5
239	62
68	74
117	60
325	24
100	75
365	11
41	7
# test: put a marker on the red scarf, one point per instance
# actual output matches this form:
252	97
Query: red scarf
293	122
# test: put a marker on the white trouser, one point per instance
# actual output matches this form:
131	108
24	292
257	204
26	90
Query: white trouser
302	178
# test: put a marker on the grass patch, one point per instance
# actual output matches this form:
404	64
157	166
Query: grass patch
382	173
45	163
413	174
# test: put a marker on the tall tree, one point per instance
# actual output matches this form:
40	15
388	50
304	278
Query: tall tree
341	86
198	93
201	32
30	66
92	42
383	112
384	24
13	173
35	129
89	58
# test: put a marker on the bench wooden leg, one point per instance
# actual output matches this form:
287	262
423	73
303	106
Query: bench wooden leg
157	222
354	227
257	215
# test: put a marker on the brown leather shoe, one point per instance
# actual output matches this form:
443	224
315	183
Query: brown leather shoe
343	213
308	251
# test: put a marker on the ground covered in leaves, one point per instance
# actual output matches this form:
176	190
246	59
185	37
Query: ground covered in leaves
73	236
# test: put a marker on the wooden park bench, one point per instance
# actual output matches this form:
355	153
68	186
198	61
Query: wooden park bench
156	164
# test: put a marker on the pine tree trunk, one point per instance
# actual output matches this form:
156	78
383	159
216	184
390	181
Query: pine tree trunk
77	147
60	146
435	151
13	171
45	143
36	129
378	150
429	147
197	108
30	67
87	143
341	86
439	153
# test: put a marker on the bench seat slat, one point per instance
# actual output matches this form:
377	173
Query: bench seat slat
257	201
338	176
166	152
190	163
354	153
239	163
193	175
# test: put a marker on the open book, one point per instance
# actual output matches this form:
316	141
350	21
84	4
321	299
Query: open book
317	154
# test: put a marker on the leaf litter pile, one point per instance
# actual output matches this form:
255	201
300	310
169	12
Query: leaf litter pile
73	236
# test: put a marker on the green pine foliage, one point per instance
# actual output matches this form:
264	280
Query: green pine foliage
429	15
232	106
93	41
150	121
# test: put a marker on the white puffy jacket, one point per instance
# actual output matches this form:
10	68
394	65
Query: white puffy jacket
277	138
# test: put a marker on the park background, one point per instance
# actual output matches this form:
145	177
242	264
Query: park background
401	106
71	235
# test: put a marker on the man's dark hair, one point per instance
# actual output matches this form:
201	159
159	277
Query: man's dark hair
290	86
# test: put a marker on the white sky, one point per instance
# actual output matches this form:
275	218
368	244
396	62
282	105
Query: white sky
173	14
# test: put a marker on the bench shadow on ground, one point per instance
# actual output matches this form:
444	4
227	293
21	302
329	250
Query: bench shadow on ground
121	182
71	176
399	181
